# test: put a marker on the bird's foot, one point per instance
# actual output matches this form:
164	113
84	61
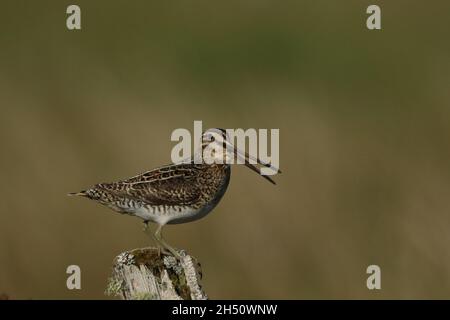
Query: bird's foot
164	252
177	255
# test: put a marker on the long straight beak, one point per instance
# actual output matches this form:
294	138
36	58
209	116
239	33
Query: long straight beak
243	155
254	168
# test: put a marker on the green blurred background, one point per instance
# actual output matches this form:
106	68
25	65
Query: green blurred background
364	126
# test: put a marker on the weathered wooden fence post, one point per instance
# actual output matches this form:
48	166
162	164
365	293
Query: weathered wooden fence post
145	274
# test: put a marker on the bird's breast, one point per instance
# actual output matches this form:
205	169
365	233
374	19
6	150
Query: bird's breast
207	204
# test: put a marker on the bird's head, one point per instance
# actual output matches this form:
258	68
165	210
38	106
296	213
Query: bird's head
217	147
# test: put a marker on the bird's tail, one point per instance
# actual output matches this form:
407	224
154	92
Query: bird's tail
79	194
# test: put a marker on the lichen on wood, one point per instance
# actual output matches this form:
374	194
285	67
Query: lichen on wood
148	274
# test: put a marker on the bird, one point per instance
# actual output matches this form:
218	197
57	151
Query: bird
179	192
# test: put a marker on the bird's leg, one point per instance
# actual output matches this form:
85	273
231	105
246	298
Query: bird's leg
160	240
152	235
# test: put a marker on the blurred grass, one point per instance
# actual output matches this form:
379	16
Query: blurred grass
364	125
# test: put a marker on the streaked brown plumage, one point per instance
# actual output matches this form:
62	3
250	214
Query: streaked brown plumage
171	194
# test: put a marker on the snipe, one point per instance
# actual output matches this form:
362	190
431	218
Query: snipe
176	193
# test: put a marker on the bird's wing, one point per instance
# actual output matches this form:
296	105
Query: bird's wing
170	185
